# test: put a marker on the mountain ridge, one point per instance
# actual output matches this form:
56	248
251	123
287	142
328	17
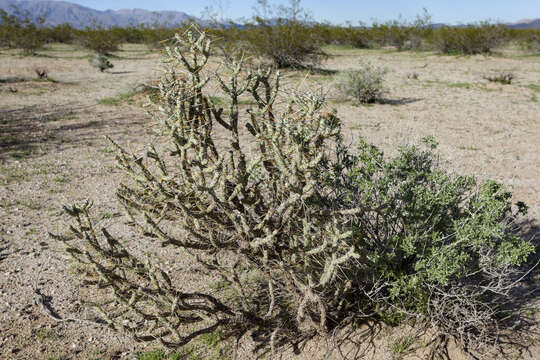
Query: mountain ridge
61	12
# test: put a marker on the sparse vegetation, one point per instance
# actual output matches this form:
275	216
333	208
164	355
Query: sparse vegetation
311	235
42	73
19	31
402	345
157	355
502	78
365	84
289	43
100	62
470	40
99	40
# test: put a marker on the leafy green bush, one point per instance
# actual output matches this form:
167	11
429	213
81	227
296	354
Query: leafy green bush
365	84
481	39
442	245
304	235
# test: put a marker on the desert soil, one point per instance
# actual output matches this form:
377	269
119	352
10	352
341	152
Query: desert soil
52	152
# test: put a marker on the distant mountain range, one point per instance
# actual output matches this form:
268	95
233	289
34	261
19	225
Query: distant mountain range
61	12
525	24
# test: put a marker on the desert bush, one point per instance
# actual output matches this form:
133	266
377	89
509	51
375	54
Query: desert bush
288	42
304	235
402	34
359	37
100	62
18	31
157	37
502	78
99	40
365	84
129	34
41	72
356	36
473	39
528	38
230	42
63	33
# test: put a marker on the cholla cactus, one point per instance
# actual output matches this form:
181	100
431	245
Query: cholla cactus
258	220
100	61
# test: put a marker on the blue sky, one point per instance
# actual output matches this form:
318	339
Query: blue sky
339	11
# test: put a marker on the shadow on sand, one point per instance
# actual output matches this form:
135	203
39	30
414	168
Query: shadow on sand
24	129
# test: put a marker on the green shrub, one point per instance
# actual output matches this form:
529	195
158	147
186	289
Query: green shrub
358	37
63	33
307	236
403	34
289	42
18	31
129	34
529	38
365	84
99	40
470	40
157	37
443	243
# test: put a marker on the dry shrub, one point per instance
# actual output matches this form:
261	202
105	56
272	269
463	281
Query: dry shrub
502	78
100	62
365	84
41	72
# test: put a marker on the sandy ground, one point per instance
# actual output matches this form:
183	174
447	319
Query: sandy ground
52	152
